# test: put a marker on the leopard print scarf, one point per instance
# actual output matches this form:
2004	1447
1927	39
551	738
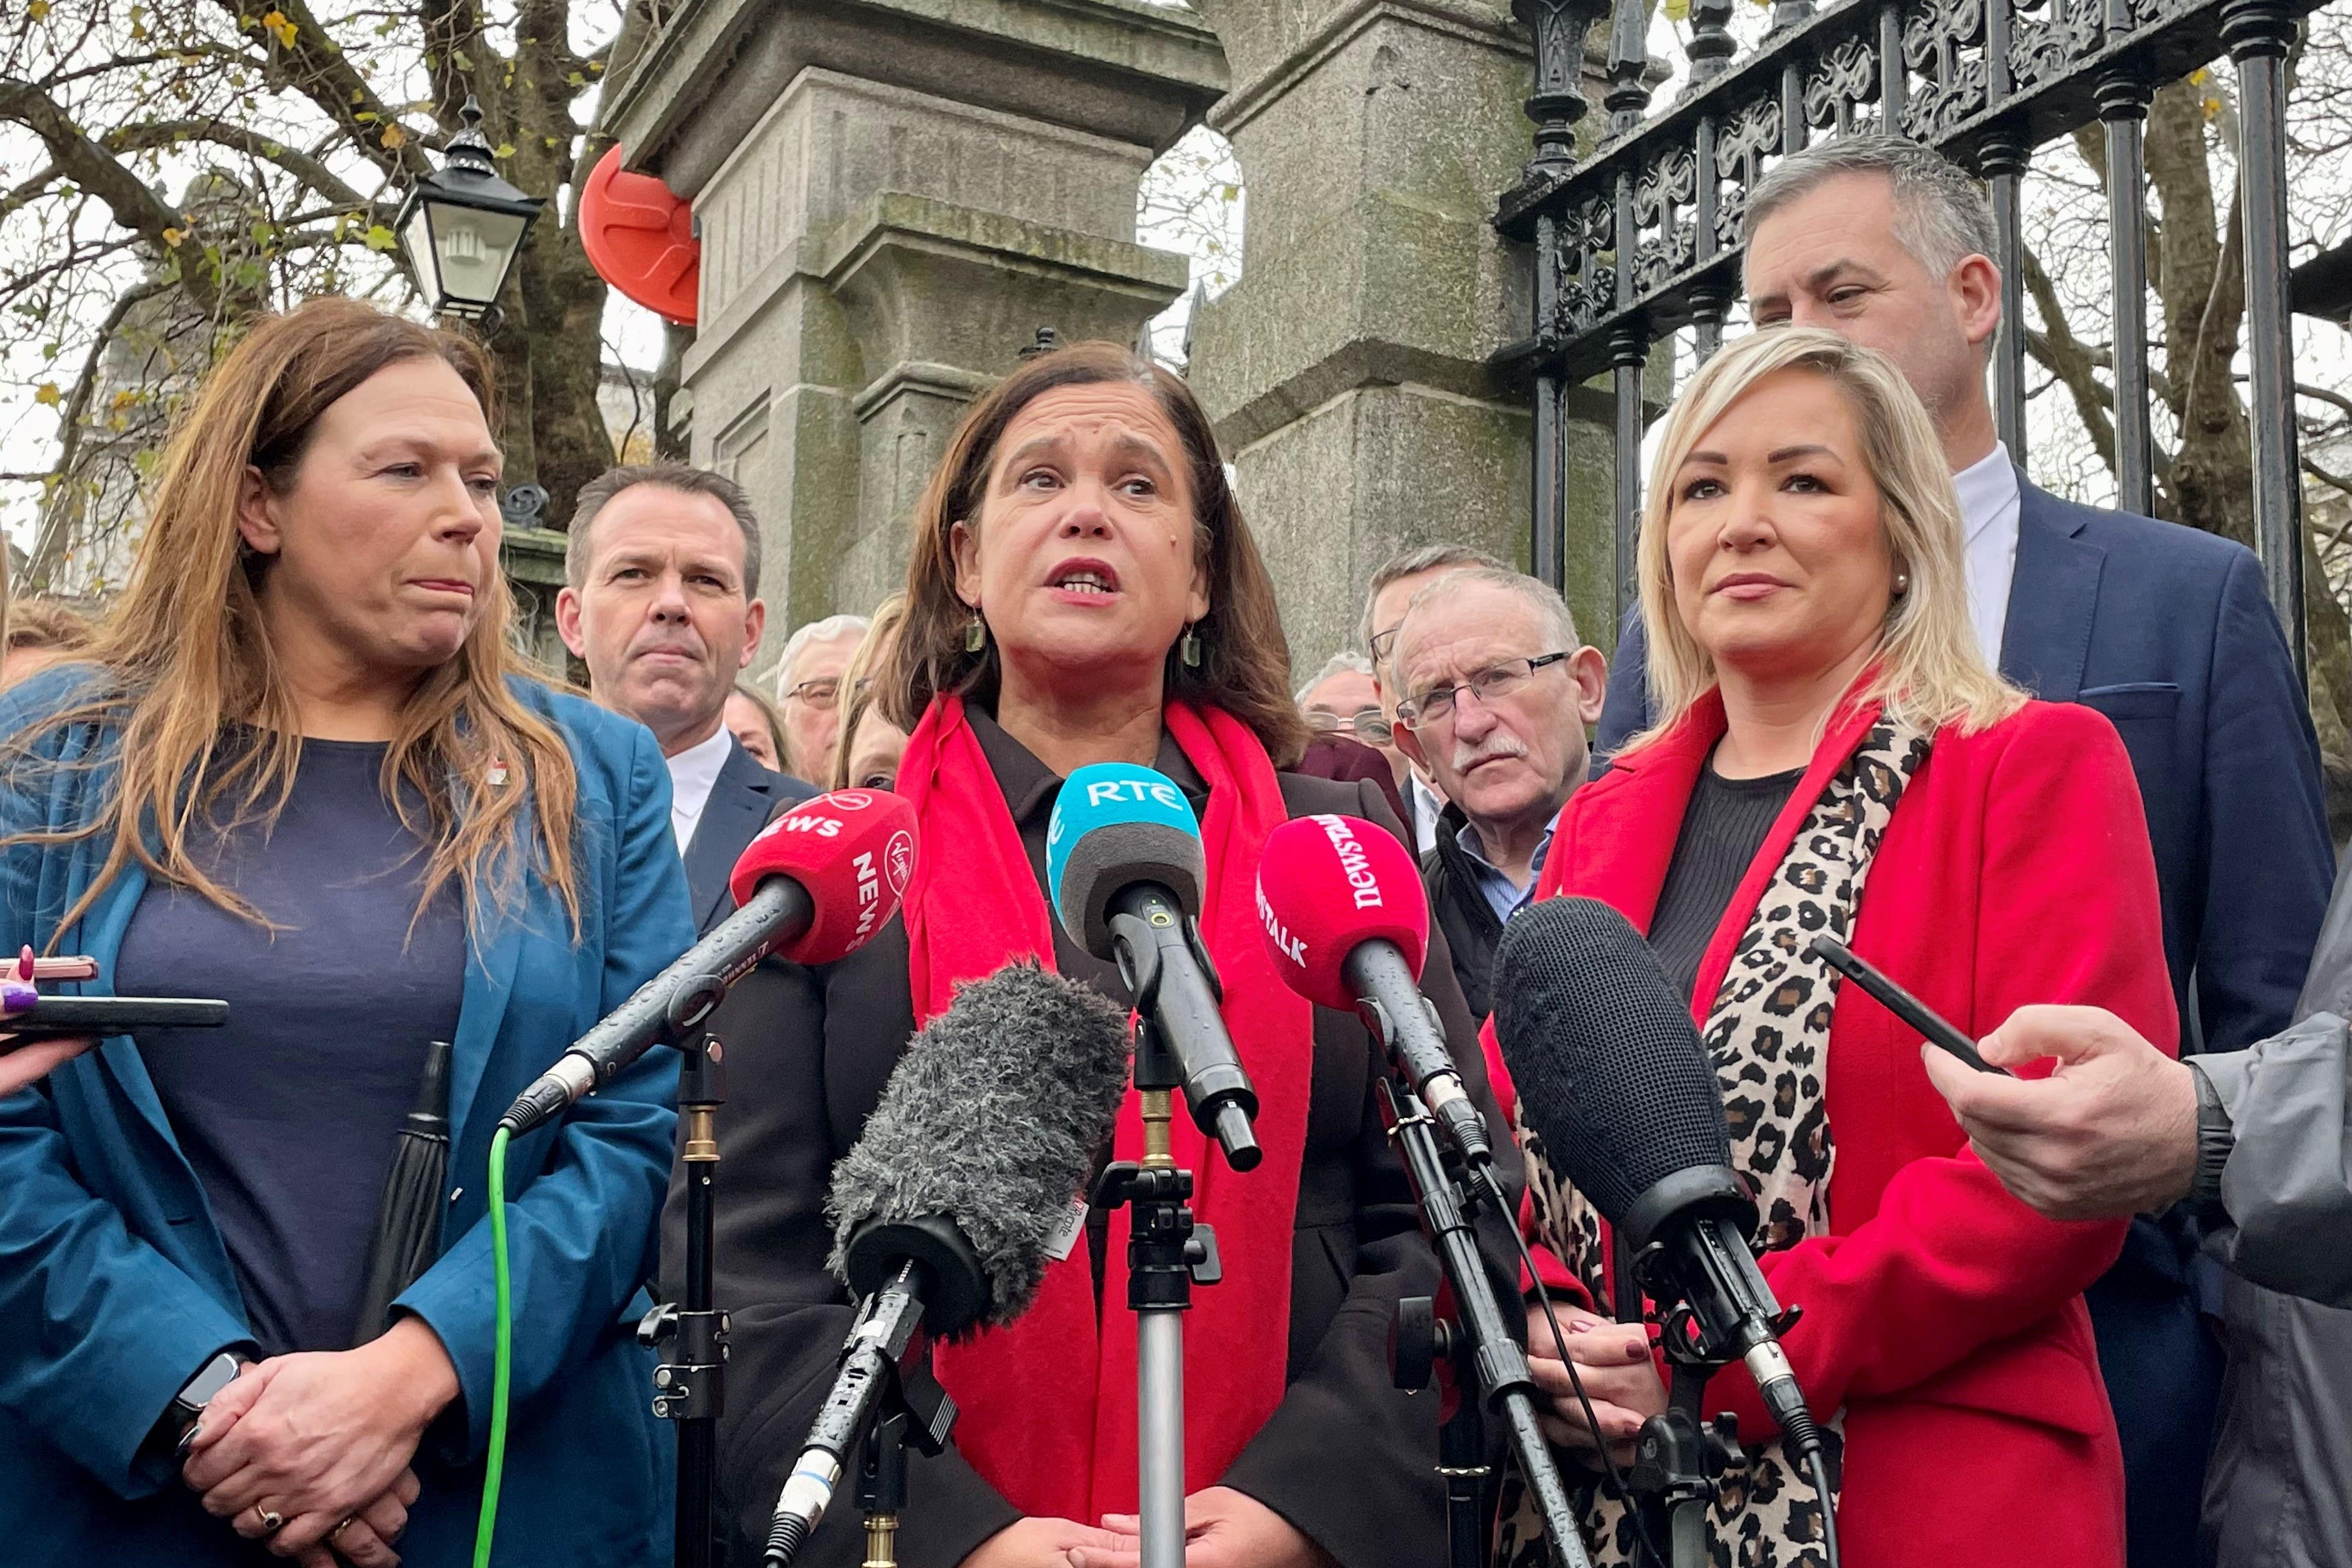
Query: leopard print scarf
1768	1036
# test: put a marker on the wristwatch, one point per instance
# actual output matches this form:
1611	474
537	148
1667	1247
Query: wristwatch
2216	1136
178	1423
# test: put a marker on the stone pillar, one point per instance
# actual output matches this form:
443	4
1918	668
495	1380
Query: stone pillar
1348	370
893	195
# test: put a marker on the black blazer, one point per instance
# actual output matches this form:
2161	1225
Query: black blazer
1458	906
1345	1458
743	799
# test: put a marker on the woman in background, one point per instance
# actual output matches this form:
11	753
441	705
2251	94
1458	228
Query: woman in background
867	754
756	725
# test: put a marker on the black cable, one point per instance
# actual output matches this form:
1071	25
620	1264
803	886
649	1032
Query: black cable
1818	1465
1613	1483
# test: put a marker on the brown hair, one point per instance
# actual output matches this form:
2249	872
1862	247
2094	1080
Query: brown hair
45	623
858	689
1245	665
768	714
683	478
183	652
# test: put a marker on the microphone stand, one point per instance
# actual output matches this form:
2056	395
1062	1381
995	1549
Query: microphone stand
1480	1341
1678	1463
689	1386
1167	1254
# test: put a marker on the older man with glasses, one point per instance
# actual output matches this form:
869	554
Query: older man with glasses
1395	582
809	694
1495	690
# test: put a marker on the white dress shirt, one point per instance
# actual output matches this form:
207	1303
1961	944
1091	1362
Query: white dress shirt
1428	805
1990	498
693	773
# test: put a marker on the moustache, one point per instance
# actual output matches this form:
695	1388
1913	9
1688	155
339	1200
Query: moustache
1493	748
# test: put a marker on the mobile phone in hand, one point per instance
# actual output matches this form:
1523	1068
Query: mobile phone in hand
55	1017
1903	1005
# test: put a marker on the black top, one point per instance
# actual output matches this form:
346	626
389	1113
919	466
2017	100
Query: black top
290	1113
1723	828
1345	1458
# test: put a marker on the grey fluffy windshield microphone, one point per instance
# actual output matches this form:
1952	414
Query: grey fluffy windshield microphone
1611	1076
946	1212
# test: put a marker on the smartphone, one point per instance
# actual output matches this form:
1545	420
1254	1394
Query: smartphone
1903	1005
52	1017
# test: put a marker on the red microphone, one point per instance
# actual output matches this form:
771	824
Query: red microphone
815	887
841	862
1347	925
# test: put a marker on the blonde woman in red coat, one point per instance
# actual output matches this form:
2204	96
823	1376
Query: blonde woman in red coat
1835	754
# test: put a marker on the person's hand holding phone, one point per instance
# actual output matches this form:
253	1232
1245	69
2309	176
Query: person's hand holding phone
24	1063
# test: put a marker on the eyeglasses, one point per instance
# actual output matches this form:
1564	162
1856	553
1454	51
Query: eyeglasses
823	691
1369	725
1490	685
1383	641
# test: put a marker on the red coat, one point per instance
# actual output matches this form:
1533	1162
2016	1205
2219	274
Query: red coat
1943	1314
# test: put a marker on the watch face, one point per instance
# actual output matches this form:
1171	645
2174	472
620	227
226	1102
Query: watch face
218	1375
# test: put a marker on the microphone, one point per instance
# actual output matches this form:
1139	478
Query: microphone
1124	863
958	1193
815	886
1347	925
1613	1077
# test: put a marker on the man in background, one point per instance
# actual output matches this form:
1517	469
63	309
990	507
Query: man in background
657	601
1494	692
1395	582
809	694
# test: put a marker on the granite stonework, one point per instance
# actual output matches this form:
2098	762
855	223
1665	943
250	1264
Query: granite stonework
1348	370
893	195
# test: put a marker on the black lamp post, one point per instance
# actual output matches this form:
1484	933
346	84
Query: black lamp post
463	225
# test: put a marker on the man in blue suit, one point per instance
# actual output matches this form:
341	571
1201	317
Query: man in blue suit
660	600
2164	629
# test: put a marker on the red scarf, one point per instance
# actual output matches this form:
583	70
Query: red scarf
1048	1404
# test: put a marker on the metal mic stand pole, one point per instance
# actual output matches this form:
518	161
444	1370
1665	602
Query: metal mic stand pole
689	1386
1678	1464
1167	1254
1502	1377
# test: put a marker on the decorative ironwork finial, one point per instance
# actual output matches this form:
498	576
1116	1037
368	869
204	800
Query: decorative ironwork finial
469	147
1559	27
1628	61
1788	14
1045	342
1712	44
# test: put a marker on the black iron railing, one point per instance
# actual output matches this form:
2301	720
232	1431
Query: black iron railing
1641	238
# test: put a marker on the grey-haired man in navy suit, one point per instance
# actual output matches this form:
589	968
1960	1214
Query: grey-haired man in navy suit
660	600
2165	629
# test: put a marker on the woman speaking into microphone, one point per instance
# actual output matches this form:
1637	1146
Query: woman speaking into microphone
300	770
1083	590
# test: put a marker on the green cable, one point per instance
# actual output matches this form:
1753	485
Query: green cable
502	1361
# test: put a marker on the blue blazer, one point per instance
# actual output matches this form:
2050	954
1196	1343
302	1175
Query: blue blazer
742	799
2167	632
115	1286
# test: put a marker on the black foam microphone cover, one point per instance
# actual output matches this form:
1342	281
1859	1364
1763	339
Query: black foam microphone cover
1608	1065
990	1121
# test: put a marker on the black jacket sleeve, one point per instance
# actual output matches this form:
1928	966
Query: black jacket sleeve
780	1132
1346	1458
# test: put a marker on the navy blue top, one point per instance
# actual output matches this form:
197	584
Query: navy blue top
290	1113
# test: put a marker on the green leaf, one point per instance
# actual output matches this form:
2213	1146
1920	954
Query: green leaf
380	237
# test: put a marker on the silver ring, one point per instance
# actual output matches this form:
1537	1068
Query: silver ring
272	1524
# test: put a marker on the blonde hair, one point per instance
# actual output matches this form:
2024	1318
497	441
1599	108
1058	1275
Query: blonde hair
1930	672
857	685
183	652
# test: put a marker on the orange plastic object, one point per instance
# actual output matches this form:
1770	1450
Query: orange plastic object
640	238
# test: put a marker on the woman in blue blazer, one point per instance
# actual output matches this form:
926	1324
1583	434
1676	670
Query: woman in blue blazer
301	771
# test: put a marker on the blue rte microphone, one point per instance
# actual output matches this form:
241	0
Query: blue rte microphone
1126	872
